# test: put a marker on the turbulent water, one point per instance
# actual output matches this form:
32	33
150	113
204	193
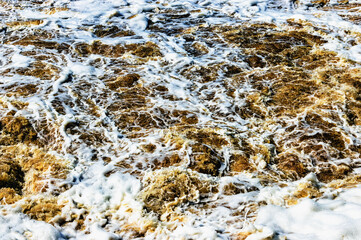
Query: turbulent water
189	119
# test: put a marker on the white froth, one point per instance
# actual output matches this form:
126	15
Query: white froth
20	61
310	219
139	22
19	226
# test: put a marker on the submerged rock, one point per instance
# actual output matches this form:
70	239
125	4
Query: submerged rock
42	209
168	188
11	181
27	171
16	129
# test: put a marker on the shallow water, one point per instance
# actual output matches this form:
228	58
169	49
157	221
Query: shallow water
180	120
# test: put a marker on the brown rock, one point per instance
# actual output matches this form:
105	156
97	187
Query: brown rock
8	196
334	172
110	31
205	159
168	188
147	50
291	166
11	175
43	209
124	81
18	128
239	163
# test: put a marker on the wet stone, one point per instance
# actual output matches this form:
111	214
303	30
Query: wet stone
168	161
124	81
207	137
291	166
97	47
168	188
41	70
234	188
12	176
147	50
9	196
18	128
42	209
21	89
334	172
240	163
205	159
111	31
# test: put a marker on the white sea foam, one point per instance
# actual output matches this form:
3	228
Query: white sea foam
338	218
19	226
